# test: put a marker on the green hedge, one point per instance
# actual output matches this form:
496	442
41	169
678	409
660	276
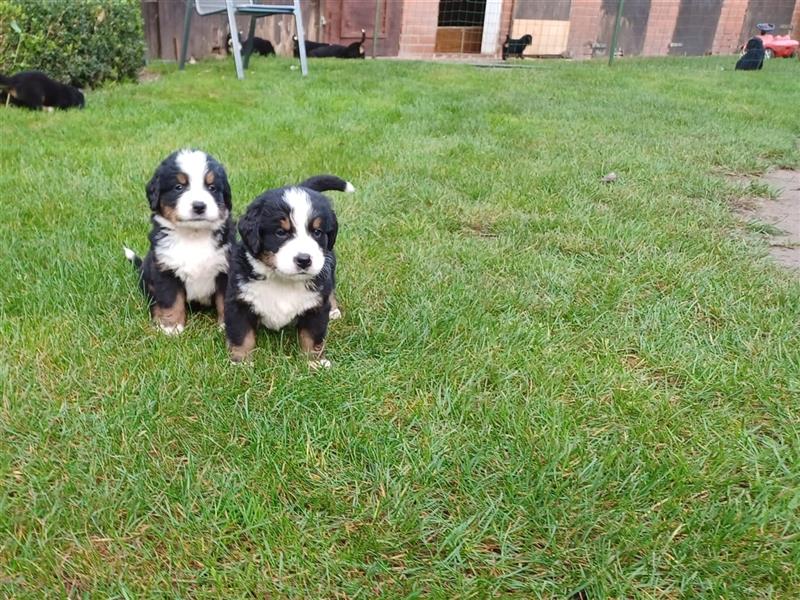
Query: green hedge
82	42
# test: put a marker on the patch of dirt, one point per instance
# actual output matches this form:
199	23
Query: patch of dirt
146	76
782	215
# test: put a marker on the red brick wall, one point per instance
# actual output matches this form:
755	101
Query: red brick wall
585	18
729	27
506	15
418	33
660	27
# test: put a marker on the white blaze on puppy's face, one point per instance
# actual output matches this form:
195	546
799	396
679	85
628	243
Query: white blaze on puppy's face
196	207
293	256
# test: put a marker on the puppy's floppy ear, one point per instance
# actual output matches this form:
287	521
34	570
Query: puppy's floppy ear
334	230
224	187
226	194
153	191
250	231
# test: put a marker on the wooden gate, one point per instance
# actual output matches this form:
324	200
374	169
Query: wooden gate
344	20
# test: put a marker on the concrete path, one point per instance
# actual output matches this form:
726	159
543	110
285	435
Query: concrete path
784	214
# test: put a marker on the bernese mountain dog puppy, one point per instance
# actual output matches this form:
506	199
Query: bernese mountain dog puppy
190	201
516	47
35	90
309	46
283	269
354	50
260	45
753	57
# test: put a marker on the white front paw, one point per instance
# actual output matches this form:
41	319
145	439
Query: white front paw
171	329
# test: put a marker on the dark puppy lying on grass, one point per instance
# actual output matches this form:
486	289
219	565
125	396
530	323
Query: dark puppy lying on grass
516	47
260	45
309	46
320	50
753	58
35	90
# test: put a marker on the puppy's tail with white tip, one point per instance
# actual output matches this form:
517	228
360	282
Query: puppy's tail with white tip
131	256
325	183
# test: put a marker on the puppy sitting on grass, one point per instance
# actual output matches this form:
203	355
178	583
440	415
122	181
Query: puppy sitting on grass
190	201
283	270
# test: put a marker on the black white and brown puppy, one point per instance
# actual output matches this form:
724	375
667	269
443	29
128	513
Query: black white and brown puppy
190	201
283	270
309	46
516	47
354	50
260	45
753	57
35	90
323	50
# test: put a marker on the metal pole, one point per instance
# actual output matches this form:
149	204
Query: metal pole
376	29
617	23
187	23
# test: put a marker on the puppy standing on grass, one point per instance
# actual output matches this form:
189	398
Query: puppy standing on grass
260	45
516	47
283	270
190	200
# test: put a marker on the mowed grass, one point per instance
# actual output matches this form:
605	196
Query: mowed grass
542	384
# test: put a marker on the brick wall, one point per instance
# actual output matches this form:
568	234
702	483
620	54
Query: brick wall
418	33
585	20
660	27
729	27
506	16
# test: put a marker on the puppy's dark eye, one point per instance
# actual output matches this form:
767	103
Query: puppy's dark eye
212	188
317	233
178	187
281	232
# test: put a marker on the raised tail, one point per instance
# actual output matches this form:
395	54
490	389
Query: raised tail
325	183
131	256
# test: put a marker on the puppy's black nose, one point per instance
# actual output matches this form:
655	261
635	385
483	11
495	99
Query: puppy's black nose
199	207
303	261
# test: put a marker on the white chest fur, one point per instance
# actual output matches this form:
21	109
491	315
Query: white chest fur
195	258
278	302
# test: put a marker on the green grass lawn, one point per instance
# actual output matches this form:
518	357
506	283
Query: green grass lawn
541	384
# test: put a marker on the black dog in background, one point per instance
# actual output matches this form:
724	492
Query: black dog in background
753	57
322	50
309	47
35	90
260	45
516	47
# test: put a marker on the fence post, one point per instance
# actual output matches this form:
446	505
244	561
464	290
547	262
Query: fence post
376	29
614	36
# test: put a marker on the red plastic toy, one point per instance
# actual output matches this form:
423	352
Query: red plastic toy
776	45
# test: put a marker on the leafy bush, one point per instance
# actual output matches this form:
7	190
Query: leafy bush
83	42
